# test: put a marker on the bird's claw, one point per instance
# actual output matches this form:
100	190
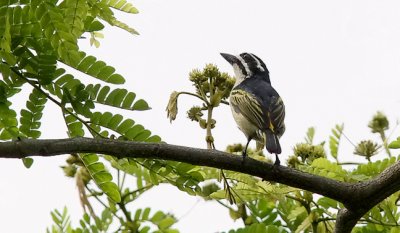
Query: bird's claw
244	154
277	161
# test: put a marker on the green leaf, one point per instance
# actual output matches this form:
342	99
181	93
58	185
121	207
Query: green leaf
145	229
166	223
395	144
95	26
153	178
259	228
310	135
141	105
137	214
145	214
334	140
86	218
101	176
107	14
57	31
75	127
324	167
61	221
5	40
98	69
126	128
373	169
122	5
46	68
157	217
23	24
118	97
5	71
327	203
305	224
271	218
154	138
31	116
75	12
8	122
273	229
64	82
27	162
296	212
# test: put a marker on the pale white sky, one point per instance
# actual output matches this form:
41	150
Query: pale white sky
331	61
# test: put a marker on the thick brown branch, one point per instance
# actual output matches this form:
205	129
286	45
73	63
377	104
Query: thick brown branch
358	198
366	195
346	220
211	158
382	186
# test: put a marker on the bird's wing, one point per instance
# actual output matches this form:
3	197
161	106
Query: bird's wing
276	114
248	105
258	101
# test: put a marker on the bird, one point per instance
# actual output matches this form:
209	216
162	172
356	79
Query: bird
256	106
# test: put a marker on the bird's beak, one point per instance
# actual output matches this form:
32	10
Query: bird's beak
230	58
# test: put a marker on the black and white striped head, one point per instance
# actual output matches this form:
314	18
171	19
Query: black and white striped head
246	65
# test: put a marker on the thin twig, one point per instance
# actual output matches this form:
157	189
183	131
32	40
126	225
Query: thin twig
189	93
135	191
349	163
378	222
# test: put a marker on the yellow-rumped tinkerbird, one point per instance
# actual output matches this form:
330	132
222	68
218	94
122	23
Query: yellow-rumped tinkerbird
256	106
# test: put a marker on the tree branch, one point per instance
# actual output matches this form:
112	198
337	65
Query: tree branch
357	198
346	220
211	158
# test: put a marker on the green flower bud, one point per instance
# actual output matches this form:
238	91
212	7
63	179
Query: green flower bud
220	79
367	148
203	123
234	148
211	71
379	123
69	170
194	113
308	152
197	76
293	162
212	123
72	159
228	87
205	87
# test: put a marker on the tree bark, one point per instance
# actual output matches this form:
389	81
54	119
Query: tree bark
357	198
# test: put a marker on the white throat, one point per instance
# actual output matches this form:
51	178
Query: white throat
238	75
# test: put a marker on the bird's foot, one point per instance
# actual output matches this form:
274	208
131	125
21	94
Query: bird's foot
244	154
277	161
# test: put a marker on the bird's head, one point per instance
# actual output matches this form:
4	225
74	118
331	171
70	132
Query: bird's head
246	65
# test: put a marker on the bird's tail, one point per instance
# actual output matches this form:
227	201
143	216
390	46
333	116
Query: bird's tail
272	143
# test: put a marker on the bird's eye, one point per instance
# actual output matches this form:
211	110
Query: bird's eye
244	56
